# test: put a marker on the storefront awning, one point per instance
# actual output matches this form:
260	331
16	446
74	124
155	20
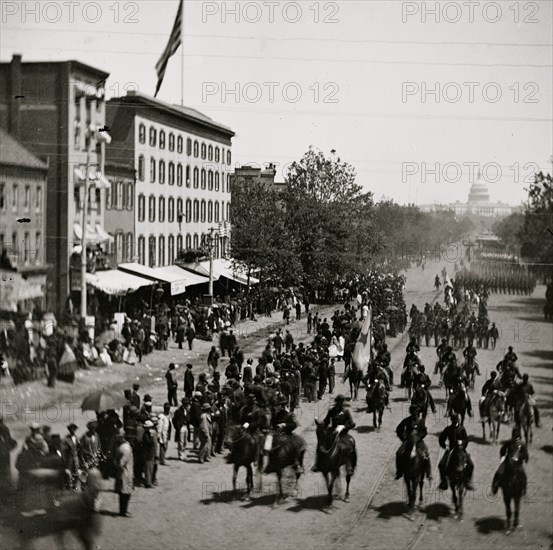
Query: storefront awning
94	234
221	268
178	278
115	282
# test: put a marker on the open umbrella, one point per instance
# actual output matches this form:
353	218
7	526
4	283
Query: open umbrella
103	400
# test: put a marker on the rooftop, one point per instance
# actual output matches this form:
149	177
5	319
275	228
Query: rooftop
13	153
137	98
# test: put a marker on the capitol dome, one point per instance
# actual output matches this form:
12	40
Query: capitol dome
479	192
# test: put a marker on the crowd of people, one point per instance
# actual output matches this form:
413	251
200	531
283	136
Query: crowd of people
132	447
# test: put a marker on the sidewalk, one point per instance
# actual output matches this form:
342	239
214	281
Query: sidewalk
34	401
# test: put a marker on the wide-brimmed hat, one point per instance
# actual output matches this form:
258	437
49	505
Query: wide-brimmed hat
72	426
206	407
34	426
148	424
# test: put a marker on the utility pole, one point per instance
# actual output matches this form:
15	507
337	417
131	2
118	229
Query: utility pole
208	242
102	137
83	235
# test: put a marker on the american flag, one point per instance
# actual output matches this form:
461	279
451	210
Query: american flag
175	41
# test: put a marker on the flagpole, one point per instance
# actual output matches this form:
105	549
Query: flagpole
182	57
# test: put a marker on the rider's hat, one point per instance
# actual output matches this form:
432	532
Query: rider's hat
454	416
516	432
413	409
340	398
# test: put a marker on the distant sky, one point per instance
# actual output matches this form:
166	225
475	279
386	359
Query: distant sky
362	61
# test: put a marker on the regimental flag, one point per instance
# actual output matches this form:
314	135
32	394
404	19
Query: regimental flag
175	40
362	350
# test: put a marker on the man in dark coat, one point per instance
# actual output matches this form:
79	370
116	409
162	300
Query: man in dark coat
172	385
195	414
190	335
188	381
181	422
454	433
135	398
508	449
404	430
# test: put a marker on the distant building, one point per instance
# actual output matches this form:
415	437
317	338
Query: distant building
244	174
23	220
56	109
478	204
183	163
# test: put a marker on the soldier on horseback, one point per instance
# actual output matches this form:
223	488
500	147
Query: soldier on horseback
487	391
422	380
452	435
283	423
510	448
340	421
413	423
253	419
524	391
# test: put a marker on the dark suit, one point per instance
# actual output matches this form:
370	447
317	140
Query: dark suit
71	453
188	383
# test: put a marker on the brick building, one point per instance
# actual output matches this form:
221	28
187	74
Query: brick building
56	109
23	220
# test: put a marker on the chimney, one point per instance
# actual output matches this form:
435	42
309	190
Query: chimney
14	126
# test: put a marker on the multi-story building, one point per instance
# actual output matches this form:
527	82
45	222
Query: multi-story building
23	218
119	217
56	110
183	165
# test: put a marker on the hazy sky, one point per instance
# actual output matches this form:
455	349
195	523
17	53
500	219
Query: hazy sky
345	75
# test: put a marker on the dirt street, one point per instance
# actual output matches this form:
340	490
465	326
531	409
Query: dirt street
192	507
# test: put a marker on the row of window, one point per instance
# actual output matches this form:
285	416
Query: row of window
195	211
196	149
120	196
161	251
13	200
23	250
204	178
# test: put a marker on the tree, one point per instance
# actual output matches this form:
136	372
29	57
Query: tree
329	218
534	237
259	238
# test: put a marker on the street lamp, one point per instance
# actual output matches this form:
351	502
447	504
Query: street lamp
101	137
208	242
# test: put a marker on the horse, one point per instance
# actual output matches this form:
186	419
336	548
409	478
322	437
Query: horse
413	473
421	401
354	375
439	368
457	476
450	375
407	379
335	450
244	451
495	406
525	417
285	451
513	486
376	401
458	402
471	370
